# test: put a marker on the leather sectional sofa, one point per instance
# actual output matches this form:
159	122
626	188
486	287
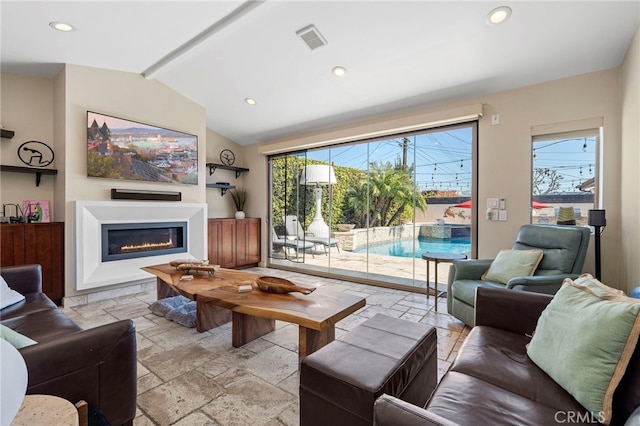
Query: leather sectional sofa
97	365
493	382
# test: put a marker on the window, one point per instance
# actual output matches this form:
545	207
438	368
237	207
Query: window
368	210
564	177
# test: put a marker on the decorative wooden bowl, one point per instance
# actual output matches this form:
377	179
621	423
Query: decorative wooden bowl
280	285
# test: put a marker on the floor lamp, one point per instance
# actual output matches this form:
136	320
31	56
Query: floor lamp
597	219
318	175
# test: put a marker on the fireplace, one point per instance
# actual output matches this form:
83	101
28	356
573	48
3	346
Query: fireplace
131	240
187	238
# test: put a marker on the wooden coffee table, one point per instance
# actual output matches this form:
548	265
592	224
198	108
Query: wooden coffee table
254	313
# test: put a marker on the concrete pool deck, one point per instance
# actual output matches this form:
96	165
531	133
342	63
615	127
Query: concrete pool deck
405	271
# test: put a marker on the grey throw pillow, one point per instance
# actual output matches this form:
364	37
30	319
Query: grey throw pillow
185	315
163	306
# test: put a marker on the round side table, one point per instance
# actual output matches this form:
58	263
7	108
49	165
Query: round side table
46	409
439	258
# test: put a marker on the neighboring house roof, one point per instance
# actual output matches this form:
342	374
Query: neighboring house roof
588	185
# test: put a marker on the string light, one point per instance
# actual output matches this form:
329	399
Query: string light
584	146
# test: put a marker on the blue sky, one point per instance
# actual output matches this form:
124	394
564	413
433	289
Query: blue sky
443	158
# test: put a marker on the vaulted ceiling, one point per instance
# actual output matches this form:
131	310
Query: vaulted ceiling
398	55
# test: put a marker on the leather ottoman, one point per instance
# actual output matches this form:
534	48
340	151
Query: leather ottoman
340	382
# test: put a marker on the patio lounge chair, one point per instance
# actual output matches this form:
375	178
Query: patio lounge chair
293	228
296	245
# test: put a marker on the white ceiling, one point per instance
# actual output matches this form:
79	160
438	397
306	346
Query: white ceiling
399	54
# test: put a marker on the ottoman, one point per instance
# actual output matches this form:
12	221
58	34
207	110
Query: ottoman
340	382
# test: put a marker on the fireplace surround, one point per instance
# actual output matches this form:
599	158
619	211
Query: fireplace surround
94	271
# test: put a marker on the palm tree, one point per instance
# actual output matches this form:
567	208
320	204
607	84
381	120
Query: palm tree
386	194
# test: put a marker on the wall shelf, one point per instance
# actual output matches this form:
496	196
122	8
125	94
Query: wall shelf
213	166
223	188
37	172
7	133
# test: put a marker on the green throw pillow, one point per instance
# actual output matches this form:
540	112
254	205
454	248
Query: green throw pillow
584	340
513	263
16	339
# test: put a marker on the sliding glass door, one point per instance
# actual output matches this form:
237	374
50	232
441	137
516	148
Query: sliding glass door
367	210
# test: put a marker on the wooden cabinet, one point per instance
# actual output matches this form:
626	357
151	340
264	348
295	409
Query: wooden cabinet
42	243
234	243
248	241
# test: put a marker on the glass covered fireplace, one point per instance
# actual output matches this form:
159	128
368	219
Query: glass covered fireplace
132	240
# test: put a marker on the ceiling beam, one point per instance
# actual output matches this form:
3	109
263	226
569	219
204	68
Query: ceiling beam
228	19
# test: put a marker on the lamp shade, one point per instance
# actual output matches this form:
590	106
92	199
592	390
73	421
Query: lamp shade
318	174
13	381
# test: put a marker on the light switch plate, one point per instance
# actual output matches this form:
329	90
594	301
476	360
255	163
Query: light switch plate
503	215
492	203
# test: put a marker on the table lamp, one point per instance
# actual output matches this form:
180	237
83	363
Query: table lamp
13	381
318	175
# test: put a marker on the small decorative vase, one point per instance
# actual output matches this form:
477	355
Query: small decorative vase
239	214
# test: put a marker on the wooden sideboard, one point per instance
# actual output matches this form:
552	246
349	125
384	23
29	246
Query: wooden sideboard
234	243
42	243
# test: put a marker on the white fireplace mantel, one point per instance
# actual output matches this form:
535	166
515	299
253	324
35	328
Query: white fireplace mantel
92	272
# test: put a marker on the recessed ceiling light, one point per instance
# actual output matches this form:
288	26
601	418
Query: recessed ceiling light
250	101
498	15
339	71
61	26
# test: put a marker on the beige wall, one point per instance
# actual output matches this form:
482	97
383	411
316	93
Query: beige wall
129	96
630	167
27	109
219	205
124	95
505	151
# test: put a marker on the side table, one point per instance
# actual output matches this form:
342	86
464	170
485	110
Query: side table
46	409
439	258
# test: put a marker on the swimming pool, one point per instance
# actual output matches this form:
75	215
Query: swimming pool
404	248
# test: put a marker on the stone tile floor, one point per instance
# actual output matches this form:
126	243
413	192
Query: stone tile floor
190	378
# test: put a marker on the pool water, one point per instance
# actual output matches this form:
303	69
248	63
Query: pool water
404	248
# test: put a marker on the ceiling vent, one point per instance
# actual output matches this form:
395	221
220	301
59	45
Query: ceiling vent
311	37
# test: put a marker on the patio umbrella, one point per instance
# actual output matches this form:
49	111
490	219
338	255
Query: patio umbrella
464	205
534	204
537	205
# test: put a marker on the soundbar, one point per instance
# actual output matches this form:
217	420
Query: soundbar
137	194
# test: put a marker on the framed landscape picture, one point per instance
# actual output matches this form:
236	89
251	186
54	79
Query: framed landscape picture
38	210
118	148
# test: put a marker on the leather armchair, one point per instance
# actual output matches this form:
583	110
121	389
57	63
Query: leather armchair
564	247
97	365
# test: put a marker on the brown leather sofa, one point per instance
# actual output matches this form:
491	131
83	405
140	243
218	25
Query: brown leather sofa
493	382
97	365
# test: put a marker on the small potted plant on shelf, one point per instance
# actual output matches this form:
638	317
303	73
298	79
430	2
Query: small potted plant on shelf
239	197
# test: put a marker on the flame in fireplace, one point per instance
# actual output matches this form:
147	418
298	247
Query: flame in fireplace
147	246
